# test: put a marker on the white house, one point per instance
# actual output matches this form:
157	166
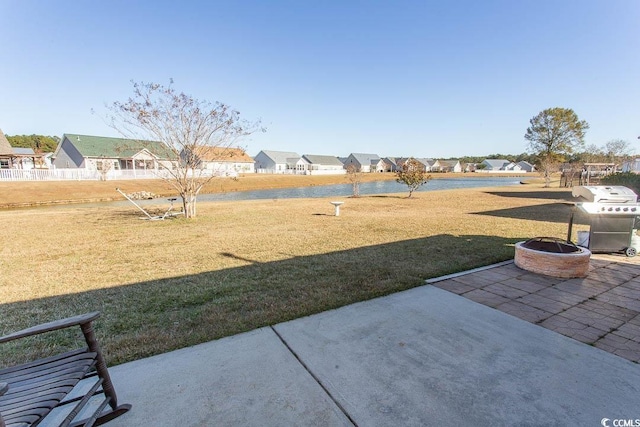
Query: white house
278	162
469	167
99	153
225	160
503	165
428	165
495	165
365	162
390	164
526	166
450	166
323	165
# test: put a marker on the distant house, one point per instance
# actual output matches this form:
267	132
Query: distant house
18	158
428	165
365	162
503	165
225	160
495	165
279	162
323	165
390	164
450	166
6	152
469	167
101	153
526	166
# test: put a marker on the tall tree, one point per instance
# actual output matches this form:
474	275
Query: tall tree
187	126
553	134
413	174
39	143
617	150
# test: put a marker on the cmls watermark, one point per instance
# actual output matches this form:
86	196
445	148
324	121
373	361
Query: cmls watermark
606	422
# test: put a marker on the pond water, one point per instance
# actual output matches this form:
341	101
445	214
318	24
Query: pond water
366	188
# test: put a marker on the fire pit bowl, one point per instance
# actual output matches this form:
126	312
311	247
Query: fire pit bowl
552	257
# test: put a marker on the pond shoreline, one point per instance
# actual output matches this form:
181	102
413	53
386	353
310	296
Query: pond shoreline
16	195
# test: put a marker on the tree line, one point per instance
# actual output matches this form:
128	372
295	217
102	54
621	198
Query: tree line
39	143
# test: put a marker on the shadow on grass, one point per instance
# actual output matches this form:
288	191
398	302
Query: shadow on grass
550	212
151	317
547	195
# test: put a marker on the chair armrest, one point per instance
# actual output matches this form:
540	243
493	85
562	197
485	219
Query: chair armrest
3	388
52	326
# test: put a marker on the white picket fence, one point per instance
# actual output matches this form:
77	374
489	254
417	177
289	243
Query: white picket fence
302	172
92	175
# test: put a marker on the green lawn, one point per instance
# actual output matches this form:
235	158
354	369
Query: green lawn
163	285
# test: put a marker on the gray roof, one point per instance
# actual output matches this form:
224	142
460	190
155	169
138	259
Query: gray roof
448	162
23	151
366	158
5	147
322	160
496	163
425	161
281	156
525	163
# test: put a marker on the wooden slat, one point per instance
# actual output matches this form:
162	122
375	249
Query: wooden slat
91	421
41	376
39	386
52	361
30	391
81	404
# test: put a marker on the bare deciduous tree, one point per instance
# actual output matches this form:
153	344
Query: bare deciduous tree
617	150
354	175
103	167
188	127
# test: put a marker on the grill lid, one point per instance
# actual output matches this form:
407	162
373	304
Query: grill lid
605	193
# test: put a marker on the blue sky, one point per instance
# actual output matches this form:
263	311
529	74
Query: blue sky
396	78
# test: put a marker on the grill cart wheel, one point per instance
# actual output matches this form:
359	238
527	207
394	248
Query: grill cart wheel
630	252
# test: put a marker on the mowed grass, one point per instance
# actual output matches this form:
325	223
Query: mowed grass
162	285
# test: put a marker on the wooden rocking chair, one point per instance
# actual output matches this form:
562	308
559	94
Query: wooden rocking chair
30	392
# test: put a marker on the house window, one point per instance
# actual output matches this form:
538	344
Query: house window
4	163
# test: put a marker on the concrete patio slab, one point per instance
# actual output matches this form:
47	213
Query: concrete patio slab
429	357
250	379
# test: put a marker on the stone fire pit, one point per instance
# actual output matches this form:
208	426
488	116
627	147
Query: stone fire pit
552	257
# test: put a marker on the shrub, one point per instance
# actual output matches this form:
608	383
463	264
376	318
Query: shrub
626	179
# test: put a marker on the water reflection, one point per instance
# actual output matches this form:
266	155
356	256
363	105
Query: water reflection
366	188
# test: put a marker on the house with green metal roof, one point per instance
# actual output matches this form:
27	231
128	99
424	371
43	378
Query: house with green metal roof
101	153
